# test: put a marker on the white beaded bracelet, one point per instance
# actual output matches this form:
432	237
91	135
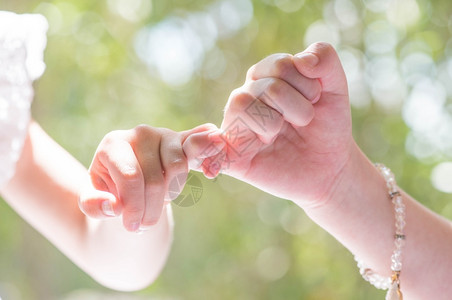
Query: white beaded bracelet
392	283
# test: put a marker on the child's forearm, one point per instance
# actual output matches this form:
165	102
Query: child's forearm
45	191
360	215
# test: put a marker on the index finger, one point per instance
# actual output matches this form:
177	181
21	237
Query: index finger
125	171
282	66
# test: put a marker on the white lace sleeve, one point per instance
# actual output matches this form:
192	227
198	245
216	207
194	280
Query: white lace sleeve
22	43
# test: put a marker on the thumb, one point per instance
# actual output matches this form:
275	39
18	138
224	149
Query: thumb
321	61
99	204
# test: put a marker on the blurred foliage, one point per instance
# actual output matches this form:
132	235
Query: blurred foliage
237	242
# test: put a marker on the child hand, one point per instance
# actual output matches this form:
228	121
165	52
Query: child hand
288	128
131	172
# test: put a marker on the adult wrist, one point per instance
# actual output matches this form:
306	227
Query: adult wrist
357	215
356	167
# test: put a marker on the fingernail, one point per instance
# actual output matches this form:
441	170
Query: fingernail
108	209
308	58
135	226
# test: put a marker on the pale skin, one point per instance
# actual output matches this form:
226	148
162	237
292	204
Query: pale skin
45	191
306	153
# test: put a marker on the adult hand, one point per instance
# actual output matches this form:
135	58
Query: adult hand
288	128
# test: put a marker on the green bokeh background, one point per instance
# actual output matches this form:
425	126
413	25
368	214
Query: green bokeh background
230	244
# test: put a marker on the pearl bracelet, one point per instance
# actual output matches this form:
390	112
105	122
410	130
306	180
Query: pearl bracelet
392	283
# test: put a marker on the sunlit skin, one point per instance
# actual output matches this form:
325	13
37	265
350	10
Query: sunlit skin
290	154
45	191
307	139
132	171
304	153
307	154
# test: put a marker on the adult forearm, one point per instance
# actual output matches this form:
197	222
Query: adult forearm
45	191
360	215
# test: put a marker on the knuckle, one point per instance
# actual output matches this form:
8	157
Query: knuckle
131	176
111	137
274	88
144	131
101	156
141	129
251	73
324	45
239	99
236	92
283	64
323	48
164	131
